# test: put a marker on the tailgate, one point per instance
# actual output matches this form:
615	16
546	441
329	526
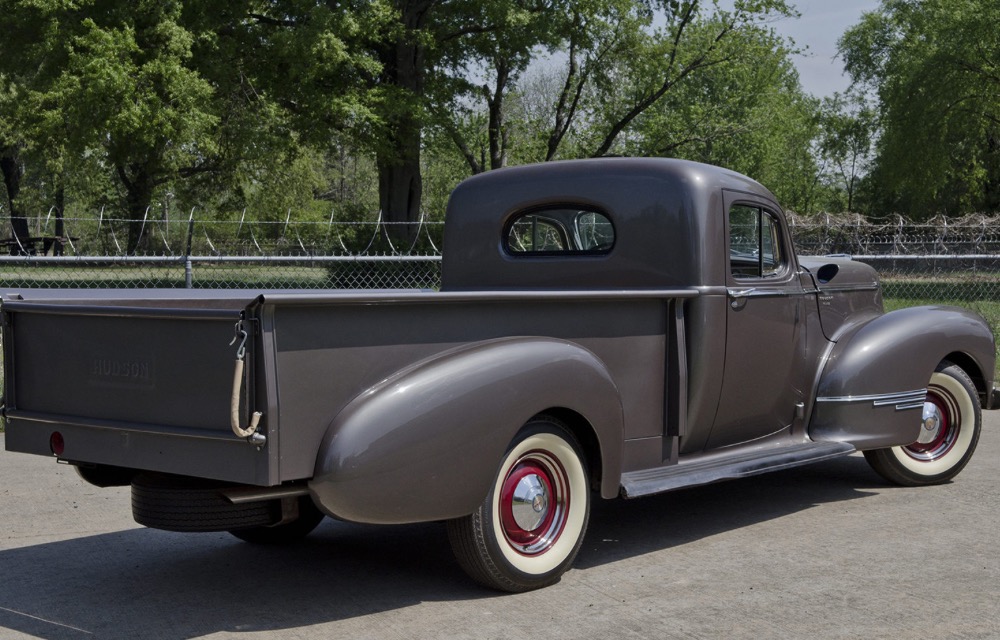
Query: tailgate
136	383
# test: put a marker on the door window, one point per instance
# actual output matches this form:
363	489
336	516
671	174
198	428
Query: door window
754	243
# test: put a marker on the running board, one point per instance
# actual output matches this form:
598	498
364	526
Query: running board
698	472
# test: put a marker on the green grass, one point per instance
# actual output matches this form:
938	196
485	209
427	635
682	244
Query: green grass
165	277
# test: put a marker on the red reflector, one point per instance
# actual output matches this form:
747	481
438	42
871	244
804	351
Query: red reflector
57	444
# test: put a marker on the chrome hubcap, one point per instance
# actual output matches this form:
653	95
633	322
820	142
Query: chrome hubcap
933	420
939	427
530	502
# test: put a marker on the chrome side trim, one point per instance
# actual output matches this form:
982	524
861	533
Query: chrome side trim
874	286
909	397
902	400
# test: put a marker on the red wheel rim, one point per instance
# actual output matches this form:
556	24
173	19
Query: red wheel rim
534	499
945	409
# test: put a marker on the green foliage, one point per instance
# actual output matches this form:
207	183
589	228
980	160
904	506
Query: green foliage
934	68
343	109
115	78
635	78
184	100
746	112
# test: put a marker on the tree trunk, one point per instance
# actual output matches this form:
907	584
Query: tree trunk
399	190
494	102
398	161
13	171
138	196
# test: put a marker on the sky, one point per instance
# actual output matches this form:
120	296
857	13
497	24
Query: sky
821	25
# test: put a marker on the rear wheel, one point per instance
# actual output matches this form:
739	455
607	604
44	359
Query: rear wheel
952	419
529	528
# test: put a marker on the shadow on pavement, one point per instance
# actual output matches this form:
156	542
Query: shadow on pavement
625	528
145	583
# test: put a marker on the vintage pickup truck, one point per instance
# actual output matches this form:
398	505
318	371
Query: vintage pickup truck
618	327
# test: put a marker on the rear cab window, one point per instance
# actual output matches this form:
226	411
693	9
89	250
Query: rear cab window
559	231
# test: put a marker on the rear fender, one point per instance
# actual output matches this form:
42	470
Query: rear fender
871	391
425	444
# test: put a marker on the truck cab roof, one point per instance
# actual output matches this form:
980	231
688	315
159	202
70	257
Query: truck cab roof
601	223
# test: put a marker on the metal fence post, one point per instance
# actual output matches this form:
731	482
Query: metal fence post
188	267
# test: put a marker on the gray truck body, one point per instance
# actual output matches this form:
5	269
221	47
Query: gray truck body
672	364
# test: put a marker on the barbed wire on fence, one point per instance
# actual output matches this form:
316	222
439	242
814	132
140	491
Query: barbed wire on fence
853	234
101	234
104	235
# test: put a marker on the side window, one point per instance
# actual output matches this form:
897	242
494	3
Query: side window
558	231
754	243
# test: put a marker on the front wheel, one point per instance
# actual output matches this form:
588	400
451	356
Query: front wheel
949	432
529	528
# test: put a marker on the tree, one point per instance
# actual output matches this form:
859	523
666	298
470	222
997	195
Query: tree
485	73
934	67
114	78
12	166
621	61
426	49
658	63
847	134
165	91
13	170
747	112
292	87
220	105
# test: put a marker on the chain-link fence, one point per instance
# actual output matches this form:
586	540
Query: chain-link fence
948	259
102	252
940	260
223	272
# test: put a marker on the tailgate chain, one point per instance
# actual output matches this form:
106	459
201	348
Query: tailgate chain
234	406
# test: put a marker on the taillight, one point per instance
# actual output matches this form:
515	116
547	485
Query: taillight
56	443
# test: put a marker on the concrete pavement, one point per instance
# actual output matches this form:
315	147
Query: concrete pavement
826	551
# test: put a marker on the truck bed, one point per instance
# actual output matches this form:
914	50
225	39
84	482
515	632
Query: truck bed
144	379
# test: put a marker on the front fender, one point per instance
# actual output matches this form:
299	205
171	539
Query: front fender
870	392
424	444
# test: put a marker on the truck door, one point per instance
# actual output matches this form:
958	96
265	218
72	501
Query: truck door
764	365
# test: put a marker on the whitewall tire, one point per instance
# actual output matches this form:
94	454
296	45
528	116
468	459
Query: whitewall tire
529	528
951	422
